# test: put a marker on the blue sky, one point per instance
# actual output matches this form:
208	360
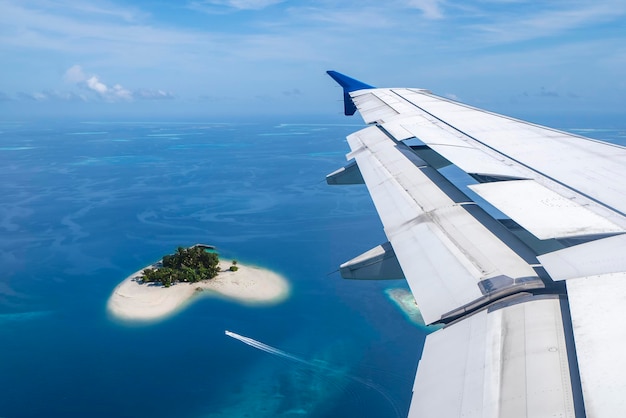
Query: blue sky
267	57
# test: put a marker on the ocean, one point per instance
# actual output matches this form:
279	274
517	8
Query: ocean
86	203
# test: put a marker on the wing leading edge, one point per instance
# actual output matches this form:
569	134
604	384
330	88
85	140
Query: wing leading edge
518	298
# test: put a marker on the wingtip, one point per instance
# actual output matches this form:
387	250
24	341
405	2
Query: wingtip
349	84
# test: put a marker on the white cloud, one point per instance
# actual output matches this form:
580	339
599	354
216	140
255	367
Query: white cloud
74	75
234	4
152	94
38	96
104	9
93	84
66	96
545	22
430	8
51	95
96	85
122	93
60	31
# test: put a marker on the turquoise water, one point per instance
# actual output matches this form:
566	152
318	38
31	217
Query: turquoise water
83	205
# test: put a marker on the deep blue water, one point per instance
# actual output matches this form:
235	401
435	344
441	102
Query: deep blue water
84	204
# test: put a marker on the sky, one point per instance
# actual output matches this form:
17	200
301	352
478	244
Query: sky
222	58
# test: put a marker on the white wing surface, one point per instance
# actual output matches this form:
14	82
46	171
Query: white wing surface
529	302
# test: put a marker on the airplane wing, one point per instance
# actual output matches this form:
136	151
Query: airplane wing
531	304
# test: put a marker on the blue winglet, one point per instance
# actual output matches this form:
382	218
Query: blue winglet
348	84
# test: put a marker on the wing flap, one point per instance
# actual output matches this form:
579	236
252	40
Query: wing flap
543	212
508	362
594	258
379	263
445	251
597	304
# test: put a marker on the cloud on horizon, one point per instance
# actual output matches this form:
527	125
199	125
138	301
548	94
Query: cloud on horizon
51	95
75	75
92	83
90	89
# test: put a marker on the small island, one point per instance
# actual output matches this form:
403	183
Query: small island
167	286
404	300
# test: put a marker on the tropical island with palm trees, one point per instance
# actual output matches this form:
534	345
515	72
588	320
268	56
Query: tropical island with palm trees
186	265
165	287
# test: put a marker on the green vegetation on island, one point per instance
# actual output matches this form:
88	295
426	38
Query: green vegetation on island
186	265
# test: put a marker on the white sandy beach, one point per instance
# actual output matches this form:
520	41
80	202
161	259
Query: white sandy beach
134	300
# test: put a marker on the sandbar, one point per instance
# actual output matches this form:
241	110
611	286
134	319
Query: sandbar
134	300
403	299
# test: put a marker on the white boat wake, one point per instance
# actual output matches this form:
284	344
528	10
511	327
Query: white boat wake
315	365
268	348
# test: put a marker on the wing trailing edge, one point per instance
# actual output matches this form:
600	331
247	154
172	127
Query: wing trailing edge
530	303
